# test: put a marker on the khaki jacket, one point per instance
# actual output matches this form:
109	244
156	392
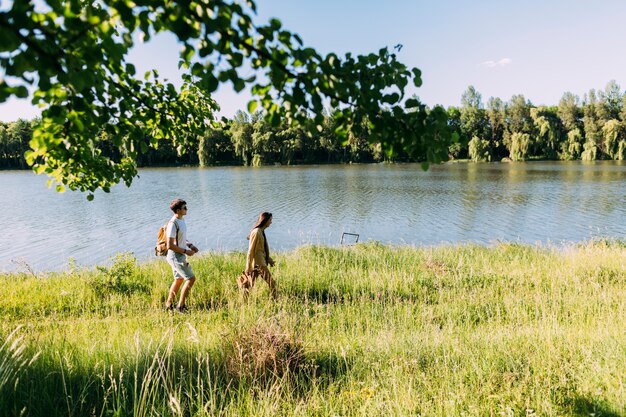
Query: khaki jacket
256	250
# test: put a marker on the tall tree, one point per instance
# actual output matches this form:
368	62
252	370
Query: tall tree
610	100
614	139
517	137
497	125
241	133
520	145
478	150
215	143
457	150
548	131
593	128
569	111
71	58
19	136
572	147
473	120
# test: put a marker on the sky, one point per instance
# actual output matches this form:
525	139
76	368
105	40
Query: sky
537	48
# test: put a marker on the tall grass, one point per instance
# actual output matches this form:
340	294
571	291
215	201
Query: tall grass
504	330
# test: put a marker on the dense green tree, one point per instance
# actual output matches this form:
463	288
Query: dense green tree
520	144
593	128
518	115
473	121
548	131
292	141
214	146
327	139
518	122
569	111
572	147
70	57
479	150
496	119
458	149
264	143
610	101
359	145
241	133
19	134
4	146
614	139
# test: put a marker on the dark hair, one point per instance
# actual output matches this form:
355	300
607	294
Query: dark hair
263	219
177	204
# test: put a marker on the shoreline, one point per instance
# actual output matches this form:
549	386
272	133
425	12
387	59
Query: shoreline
71	266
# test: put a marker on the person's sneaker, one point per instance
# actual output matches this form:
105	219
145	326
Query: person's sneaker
182	309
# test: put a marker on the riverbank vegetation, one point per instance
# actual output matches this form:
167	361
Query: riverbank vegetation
593	128
508	329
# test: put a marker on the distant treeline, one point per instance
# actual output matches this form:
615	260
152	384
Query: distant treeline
590	128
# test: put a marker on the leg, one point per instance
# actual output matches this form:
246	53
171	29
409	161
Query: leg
173	290
185	292
245	282
267	276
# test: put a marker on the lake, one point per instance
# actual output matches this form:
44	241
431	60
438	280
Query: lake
532	202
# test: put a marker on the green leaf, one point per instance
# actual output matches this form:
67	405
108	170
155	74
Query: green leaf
412	103
238	84
417	81
21	92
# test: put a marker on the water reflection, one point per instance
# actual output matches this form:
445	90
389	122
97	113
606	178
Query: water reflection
529	202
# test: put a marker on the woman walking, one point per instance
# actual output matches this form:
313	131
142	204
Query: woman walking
258	257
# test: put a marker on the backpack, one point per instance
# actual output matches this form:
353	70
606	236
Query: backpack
161	246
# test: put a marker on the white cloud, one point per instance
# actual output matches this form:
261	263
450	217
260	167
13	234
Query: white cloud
492	64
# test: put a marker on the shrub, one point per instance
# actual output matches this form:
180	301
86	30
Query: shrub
121	277
263	351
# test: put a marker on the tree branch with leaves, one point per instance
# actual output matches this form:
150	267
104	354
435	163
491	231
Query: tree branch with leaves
70	58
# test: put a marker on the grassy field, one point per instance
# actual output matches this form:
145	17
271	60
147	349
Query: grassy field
369	330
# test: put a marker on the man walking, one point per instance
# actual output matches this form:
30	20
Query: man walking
178	248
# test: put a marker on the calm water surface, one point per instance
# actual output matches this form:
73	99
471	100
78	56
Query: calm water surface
550	202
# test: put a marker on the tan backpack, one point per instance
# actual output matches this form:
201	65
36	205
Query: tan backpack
161	246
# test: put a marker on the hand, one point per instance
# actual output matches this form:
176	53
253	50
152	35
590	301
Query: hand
189	252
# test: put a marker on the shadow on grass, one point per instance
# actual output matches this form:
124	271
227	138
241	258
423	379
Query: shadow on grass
335	295
54	386
582	406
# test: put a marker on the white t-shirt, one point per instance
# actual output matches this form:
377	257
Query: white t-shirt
182	231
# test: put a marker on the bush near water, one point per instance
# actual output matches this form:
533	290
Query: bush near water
502	330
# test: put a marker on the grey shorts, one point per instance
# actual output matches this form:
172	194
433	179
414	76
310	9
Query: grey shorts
180	266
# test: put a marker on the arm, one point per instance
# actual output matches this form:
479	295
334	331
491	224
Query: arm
192	247
171	244
251	249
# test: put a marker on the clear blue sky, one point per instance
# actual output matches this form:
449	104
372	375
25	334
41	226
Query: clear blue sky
540	49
